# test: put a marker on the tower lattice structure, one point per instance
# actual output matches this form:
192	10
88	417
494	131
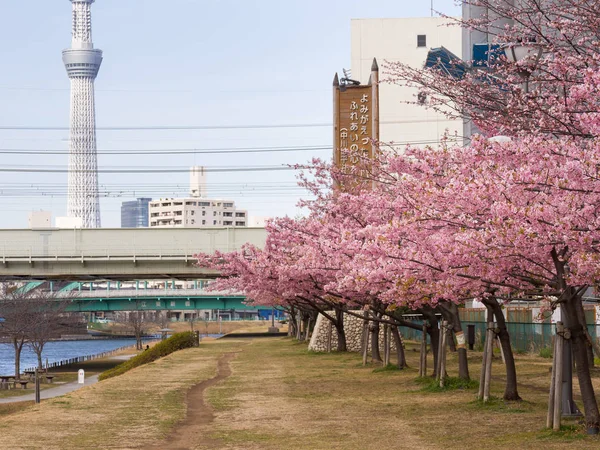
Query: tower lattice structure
82	62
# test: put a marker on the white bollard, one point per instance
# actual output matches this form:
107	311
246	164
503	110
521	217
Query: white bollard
81	376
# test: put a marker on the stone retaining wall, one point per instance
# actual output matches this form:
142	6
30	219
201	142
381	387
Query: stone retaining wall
353	327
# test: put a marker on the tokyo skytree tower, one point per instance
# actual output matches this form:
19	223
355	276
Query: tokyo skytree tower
82	62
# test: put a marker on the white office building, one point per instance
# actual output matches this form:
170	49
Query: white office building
408	41
196	211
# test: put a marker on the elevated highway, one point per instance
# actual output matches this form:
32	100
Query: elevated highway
116	254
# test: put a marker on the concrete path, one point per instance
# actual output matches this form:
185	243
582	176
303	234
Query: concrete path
60	389
52	392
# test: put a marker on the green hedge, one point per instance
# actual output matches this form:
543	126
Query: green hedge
178	341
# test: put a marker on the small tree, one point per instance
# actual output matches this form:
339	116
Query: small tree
139	322
49	319
14	309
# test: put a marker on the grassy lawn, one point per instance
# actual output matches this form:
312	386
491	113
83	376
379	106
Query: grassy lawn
281	396
129	411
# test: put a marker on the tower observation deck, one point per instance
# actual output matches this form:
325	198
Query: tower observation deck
82	62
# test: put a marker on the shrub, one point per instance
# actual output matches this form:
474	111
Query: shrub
176	342
546	352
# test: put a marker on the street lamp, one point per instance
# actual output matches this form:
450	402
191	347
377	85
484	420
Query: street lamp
526	55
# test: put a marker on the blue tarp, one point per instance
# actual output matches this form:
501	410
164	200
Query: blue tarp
443	59
486	54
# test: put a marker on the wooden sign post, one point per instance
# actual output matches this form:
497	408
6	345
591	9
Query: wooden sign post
355	120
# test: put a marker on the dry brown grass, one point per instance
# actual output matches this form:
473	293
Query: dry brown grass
280	396
129	411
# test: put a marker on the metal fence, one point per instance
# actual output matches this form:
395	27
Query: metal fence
524	337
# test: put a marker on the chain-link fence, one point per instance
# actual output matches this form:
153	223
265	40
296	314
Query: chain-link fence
524	337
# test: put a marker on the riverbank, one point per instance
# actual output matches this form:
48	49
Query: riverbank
59	352
65	377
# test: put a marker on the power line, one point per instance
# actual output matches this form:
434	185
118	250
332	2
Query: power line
173	127
173	151
221	150
211	127
148	171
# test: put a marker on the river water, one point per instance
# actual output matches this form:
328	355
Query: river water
57	351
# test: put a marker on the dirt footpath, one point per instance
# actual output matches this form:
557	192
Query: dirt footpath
193	431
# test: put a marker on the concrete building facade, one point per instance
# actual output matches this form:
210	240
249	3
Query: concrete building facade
196	212
406	40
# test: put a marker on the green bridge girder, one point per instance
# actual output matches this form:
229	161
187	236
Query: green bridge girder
159	304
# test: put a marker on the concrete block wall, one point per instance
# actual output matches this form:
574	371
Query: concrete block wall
353	327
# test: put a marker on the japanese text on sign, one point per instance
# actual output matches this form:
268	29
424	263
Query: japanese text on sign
354	126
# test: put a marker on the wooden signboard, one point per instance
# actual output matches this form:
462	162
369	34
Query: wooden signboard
355	121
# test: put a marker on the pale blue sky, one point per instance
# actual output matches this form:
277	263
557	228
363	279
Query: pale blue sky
178	62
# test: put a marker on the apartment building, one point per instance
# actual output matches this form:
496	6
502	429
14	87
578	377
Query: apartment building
196	212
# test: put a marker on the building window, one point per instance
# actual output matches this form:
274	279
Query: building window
421	40
204	222
203	213
214	222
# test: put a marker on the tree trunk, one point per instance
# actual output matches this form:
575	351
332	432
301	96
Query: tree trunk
341	333
399	349
374	328
18	346
292	322
589	341
434	335
450	312
579	344
510	389
451	341
39	358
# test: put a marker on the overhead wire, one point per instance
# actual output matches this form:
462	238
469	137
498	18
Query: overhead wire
207	127
212	150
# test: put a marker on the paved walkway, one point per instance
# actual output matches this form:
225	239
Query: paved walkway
60	389
52	392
